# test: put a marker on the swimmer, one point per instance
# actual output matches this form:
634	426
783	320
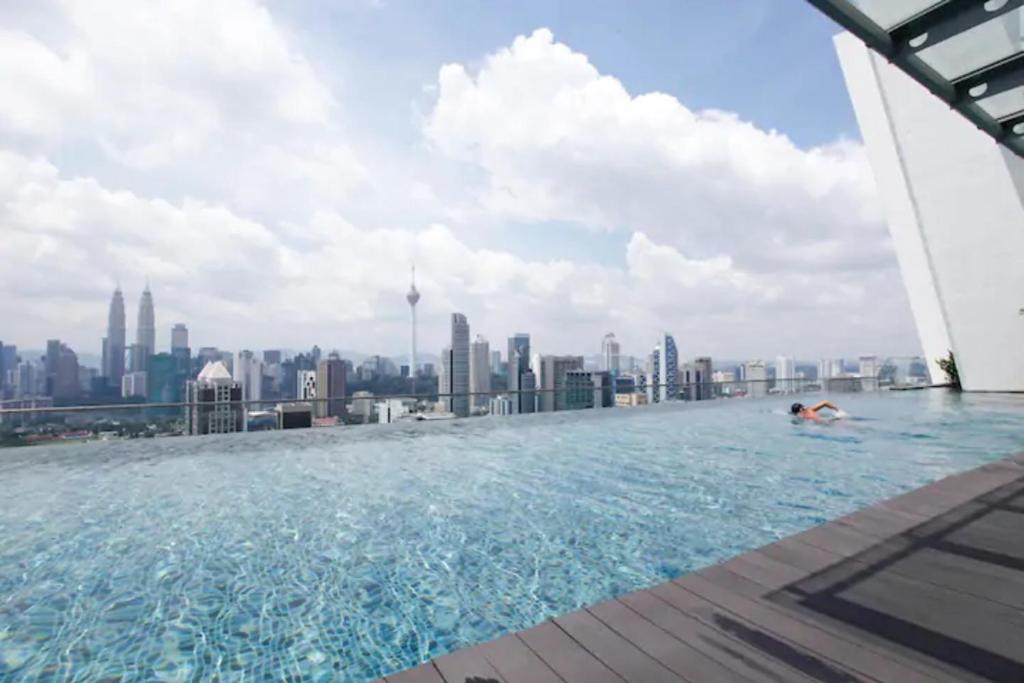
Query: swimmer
811	413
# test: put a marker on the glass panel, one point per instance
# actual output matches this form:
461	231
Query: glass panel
1005	103
888	13
982	45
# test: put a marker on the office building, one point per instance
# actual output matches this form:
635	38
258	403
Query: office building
518	365
164	379
785	374
528	398
9	356
500	405
697	380
444	379
390	410
306	383
653	375
553	380
610	354
480	373
214	399
65	386
362	405
868	372
588	389
26	380
133	385
668	364
631	400
755	376
145	333
330	385
248	371
459	368
179	337
496	362
953	199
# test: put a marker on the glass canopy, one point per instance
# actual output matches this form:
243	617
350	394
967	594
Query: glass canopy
968	53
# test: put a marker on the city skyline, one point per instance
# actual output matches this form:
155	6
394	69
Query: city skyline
747	230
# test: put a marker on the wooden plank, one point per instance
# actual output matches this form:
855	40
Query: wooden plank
766	572
808	558
735	655
467	664
516	662
844	541
964	574
617	653
999	532
685	661
565	656
880	523
424	673
819	652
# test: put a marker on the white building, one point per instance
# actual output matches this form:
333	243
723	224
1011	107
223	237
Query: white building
362	405
390	410
785	374
305	384
755	374
214	397
953	200
179	337
248	371
480	372
133	384
610	354
869	369
500	405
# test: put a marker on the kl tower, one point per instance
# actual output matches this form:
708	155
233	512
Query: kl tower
413	298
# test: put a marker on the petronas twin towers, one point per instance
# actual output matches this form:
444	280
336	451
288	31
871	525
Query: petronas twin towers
114	343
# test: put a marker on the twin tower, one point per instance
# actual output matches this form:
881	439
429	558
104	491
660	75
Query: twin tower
114	343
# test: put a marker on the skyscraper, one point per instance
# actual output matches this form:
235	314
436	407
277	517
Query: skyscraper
113	344
66	387
755	374
413	297
460	365
306	384
610	354
654	375
553	372
496	362
215	402
248	372
697	380
480	372
179	337
667	367
145	333
518	365
785	374
330	385
868	372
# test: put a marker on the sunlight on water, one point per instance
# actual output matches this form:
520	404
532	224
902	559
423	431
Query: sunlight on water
349	553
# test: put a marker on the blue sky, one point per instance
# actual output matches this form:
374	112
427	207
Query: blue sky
563	168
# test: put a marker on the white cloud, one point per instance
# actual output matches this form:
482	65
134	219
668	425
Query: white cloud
195	144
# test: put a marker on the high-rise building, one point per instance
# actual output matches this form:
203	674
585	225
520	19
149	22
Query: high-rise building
697	378
133	385
145	333
785	374
953	198
460	365
330	385
553	384
179	337
215	402
272	357
755	374
588	389
9	354
663	371
444	379
413	297
306	384
610	354
527	393
496	362
500	405
869	369
518	365
26	380
248	372
164	379
480	372
114	342
65	386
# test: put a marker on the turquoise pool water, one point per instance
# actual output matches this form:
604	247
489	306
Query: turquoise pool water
348	553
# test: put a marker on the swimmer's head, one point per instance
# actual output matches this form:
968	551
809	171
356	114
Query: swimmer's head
796	408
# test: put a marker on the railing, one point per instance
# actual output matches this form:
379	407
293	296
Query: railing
26	425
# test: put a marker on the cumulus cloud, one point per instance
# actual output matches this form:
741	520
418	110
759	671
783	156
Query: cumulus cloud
197	146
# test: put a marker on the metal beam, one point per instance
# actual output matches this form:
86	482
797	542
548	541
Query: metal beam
874	36
944	21
996	78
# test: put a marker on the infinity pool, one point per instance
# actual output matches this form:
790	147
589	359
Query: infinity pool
349	553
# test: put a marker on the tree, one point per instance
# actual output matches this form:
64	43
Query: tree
948	366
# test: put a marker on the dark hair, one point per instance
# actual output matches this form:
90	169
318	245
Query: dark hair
796	408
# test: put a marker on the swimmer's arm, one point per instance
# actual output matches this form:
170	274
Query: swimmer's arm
825	404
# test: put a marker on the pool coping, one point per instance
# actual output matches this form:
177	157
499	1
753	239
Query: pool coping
836	602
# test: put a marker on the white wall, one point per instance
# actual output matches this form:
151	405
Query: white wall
952	198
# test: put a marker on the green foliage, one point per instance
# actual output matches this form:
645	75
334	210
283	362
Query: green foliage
948	365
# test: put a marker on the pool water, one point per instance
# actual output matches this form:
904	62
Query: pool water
352	552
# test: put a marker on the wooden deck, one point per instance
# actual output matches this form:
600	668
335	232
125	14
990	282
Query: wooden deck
928	586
